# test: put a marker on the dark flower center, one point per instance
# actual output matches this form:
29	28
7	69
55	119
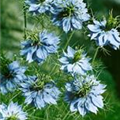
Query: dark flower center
106	28
84	90
4	66
6	72
40	1
35	43
66	12
111	23
35	39
77	56
8	75
37	86
41	81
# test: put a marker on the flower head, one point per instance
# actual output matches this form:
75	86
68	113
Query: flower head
104	35
12	112
39	92
75	62
38	47
38	6
69	14
84	95
11	75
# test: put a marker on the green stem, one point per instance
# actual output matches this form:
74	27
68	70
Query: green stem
15	96
68	40
25	21
66	115
95	55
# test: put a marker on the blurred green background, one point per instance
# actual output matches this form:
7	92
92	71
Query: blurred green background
12	33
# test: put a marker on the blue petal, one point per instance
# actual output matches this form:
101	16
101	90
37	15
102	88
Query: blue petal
97	101
66	25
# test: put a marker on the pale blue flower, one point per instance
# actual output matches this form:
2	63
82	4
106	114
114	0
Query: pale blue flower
12	112
38	48
75	62
38	6
69	14
104	35
38	93
84	95
11	76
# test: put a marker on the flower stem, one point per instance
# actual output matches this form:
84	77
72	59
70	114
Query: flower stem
66	115
15	96
25	20
68	40
95	55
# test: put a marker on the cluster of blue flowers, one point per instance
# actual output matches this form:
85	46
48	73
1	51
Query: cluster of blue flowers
84	92
69	14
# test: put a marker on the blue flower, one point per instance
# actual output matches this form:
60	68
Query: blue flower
84	95
12	112
69	14
39	93
40	46
75	62
38	6
11	75
104	35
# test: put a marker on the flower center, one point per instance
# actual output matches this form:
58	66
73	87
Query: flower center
4	68
36	43
84	90
77	56
8	75
12	118
35	39
38	86
111	23
40	1
40	82
106	28
68	11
